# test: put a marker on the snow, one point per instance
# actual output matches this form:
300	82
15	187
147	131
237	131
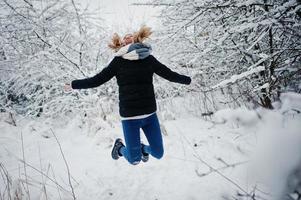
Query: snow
278	135
278	152
242	116
290	100
98	176
266	85
194	149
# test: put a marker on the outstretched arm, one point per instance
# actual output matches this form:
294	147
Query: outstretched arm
105	75
168	74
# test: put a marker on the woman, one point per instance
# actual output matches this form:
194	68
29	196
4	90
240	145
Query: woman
134	66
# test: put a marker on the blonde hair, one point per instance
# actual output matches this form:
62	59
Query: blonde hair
139	36
116	42
142	34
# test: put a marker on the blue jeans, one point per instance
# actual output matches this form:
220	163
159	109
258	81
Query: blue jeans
151	128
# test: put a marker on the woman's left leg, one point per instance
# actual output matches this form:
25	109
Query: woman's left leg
132	149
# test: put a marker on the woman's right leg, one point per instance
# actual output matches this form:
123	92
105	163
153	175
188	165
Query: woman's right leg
132	149
151	129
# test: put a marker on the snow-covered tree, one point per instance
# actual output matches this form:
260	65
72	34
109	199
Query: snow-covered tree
248	48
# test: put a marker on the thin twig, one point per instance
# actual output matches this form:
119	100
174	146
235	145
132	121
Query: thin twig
24	166
67	166
12	119
6	178
221	168
53	174
43	180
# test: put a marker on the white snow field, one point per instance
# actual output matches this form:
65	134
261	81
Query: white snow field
197	163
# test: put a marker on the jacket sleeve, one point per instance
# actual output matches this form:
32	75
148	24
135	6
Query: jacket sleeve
168	74
105	75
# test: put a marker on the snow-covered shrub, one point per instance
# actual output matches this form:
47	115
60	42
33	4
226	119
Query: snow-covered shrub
276	162
278	157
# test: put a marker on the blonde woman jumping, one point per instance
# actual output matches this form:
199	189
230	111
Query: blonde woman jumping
134	66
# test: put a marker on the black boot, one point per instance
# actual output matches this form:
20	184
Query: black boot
145	155
117	146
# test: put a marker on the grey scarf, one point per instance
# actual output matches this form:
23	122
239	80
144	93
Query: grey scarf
134	51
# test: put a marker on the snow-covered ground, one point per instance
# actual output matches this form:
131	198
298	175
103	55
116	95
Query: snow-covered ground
197	163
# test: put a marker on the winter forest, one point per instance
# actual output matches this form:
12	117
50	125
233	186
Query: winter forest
233	133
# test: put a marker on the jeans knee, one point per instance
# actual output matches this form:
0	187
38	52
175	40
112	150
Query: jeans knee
158	152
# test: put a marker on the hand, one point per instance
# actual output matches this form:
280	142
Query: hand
67	87
190	80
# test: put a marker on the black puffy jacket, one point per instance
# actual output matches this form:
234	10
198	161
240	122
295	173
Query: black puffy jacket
135	81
